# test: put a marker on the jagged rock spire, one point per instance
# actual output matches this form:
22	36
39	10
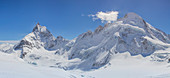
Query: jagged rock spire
41	29
37	27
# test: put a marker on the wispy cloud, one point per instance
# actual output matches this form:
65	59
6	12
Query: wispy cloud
10	41
109	16
82	15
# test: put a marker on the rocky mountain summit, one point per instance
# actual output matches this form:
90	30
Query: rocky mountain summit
40	37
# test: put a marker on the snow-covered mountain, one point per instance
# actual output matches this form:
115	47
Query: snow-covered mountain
92	50
40	37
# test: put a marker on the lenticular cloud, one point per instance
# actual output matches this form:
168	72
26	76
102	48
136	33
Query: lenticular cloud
106	16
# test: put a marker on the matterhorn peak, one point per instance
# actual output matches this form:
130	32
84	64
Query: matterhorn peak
39	28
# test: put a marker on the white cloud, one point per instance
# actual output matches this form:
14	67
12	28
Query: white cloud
11	41
109	16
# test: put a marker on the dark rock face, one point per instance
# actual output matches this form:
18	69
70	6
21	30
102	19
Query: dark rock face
88	33
23	54
98	29
22	44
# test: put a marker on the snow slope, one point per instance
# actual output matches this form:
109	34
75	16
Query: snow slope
126	66
13	67
122	66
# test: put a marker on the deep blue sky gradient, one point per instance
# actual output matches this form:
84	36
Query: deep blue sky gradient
69	18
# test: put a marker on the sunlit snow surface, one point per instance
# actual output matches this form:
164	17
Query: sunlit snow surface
123	65
14	67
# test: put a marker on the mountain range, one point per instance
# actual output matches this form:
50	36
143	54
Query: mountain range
92	50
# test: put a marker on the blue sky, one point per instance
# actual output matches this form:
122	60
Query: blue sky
69	18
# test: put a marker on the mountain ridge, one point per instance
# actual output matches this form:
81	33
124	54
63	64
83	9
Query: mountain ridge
95	49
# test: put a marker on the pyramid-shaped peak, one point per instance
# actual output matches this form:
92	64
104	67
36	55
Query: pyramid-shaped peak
39	28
